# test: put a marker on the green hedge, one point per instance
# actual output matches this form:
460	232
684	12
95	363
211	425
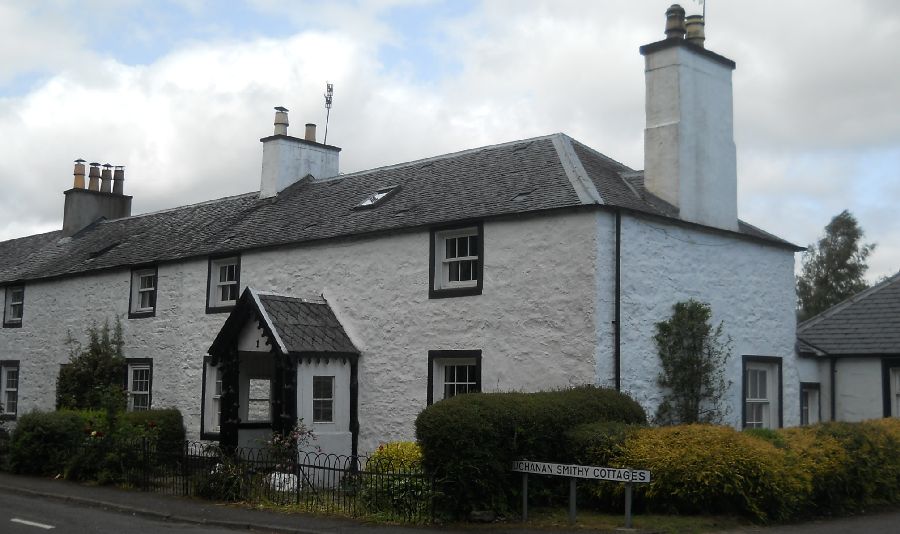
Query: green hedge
87	445
469	442
777	475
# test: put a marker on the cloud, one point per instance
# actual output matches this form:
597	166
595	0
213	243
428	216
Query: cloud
814	102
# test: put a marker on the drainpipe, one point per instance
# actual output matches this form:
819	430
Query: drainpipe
618	298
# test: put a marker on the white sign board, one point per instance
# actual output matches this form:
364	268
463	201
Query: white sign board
582	471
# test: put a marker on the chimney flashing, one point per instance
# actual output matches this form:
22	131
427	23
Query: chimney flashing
299	140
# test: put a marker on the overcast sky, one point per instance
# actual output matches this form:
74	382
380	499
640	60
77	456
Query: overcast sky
180	92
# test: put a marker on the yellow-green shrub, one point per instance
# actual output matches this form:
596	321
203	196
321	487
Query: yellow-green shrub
710	469
812	460
396	455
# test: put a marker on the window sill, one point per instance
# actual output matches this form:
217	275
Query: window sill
452	292
12	324
256	424
142	314
211	436
8	417
220	309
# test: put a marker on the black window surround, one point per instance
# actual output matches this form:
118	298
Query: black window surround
887	364
138	362
212	277
768	360
445	355
134	293
811	386
8	321
204	432
9	364
435	275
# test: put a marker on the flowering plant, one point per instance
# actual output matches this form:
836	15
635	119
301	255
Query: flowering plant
283	448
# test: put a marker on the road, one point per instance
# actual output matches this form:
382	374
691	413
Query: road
32	515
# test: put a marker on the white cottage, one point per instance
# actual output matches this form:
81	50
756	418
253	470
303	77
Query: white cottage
355	300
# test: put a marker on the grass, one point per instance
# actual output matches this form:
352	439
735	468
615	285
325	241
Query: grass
557	519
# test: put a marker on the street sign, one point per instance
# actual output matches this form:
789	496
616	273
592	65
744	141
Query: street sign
582	471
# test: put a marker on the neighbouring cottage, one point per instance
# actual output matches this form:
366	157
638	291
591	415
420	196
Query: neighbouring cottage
850	357
355	300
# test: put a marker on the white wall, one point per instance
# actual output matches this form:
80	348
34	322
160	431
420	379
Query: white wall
858	384
748	286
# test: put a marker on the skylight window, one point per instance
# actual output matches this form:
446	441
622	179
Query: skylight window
377	197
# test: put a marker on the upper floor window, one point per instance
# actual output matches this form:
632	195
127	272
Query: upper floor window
224	284
143	293
15	306
457	259
9	389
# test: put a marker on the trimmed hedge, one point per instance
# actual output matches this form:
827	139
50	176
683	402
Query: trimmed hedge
764	475
470	441
80	444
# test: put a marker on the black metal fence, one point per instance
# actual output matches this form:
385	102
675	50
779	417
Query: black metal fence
357	486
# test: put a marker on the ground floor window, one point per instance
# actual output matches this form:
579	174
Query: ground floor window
762	392
139	385
890	369
809	403
259	400
9	389
323	399
453	372
212	399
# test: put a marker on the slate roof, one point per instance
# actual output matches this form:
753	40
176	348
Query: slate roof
304	326
865	324
532	175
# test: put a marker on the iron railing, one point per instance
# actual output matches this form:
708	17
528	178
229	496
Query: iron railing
357	486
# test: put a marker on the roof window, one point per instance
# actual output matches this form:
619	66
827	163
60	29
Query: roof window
377	197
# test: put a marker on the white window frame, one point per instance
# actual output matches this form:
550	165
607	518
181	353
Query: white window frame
14	308
895	390
134	393
761	408
809	405
444	265
442	361
323	401
212	400
138	291
216	285
6	391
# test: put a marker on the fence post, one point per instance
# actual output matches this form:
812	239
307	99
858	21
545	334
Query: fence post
145	452
524	497
628	505
572	510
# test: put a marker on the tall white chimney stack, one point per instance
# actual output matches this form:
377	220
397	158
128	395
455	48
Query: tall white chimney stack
689	153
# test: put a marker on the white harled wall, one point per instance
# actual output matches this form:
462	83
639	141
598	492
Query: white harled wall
538	323
748	286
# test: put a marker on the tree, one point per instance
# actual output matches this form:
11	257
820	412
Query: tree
693	356
93	378
833	269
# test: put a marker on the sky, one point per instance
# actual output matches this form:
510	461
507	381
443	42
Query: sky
181	91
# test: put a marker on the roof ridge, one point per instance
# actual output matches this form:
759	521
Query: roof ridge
436	158
184	206
847	302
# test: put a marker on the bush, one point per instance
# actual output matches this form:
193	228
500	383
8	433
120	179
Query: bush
711	469
165	428
395	486
469	442
42	443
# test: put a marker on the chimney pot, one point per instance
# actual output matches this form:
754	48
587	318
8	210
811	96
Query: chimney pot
675	22
94	176
310	132
281	120
106	179
79	174
695	27
119	180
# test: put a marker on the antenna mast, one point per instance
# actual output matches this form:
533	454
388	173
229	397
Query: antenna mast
329	94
